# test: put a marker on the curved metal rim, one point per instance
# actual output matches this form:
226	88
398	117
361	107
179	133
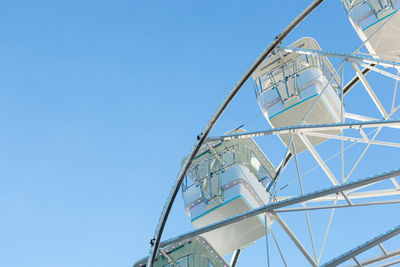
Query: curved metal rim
202	137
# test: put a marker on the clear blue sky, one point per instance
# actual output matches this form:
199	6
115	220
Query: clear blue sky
101	100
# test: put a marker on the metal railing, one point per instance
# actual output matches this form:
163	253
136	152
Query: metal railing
376	8
279	76
202	173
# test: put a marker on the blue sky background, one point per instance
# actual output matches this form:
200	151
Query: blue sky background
101	100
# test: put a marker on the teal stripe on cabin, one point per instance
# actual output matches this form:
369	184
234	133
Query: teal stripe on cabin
292	106
230	200
329	110
379	20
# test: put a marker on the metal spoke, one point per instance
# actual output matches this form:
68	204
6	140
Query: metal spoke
371	92
357	262
381	257
396	184
364	136
309	128
342	120
348	57
278	247
356	195
318	158
383	72
335	206
302	192
397	108
383	249
362	155
327	231
393	109
295	240
352	139
266	238
353	82
284	161
389	263
359	117
364	247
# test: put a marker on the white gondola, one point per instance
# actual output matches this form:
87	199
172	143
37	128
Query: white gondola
287	84
377	23
191	252
226	179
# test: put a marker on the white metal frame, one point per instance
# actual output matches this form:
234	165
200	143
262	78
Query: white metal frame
344	190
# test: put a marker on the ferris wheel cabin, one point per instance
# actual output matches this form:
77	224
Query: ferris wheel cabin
287	84
226	179
194	251
377	23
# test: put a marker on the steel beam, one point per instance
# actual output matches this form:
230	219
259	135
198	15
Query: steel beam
374	203
308	128
383	249
282	165
363	247
352	139
383	72
353	82
359	117
278	247
370	91
356	195
284	203
396	184
347	57
295	240
391	263
357	262
379	258
318	158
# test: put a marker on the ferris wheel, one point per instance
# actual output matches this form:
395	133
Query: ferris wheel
335	118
